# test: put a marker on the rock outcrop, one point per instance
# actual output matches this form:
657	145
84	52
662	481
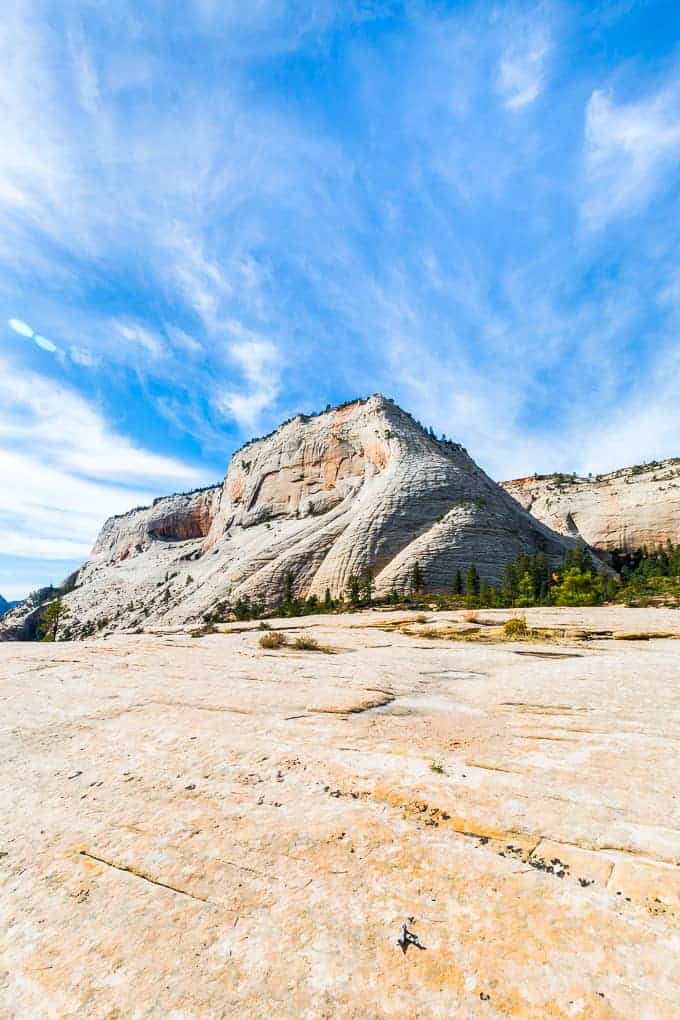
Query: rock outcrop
623	510
359	487
176	518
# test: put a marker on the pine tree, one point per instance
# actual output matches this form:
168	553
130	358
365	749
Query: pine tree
509	583
353	590
288	588
50	618
327	600
472	581
458	583
525	590
578	588
417	581
367	587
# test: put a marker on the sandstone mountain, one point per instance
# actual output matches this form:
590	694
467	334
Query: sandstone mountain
624	510
358	487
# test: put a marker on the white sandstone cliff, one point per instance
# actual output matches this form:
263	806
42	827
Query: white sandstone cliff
323	498
625	510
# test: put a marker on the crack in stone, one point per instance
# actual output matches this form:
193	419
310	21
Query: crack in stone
140	874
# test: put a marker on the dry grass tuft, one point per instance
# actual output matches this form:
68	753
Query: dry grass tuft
516	627
471	616
274	639
310	644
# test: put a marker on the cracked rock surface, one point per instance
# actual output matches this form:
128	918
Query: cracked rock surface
198	828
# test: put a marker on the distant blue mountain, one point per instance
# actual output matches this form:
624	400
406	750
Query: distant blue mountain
5	605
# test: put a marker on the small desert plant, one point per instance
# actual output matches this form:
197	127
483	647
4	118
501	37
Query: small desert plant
310	644
421	618
436	766
275	639
263	626
471	616
306	644
515	627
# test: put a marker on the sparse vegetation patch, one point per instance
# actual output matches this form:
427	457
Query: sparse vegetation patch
274	639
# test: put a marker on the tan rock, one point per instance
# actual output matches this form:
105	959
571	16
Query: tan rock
625	510
188	831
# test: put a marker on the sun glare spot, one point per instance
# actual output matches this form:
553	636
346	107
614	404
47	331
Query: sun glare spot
20	327
43	342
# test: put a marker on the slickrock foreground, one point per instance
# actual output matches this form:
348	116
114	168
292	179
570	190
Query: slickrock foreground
202	828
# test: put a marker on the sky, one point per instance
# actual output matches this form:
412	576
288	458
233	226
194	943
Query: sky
215	214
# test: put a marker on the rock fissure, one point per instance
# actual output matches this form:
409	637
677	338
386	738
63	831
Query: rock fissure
129	870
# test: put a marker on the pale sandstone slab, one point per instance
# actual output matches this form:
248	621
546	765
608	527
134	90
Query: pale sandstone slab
197	828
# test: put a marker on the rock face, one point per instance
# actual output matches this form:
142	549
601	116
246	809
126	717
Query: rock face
175	518
323	498
623	510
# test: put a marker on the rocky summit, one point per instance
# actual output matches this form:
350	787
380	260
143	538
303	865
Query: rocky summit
627	509
359	487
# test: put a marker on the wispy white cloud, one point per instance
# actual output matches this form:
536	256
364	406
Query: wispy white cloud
42	415
259	362
65	470
522	67
83	356
629	150
137	334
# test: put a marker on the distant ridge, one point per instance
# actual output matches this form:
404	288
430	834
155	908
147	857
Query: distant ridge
624	509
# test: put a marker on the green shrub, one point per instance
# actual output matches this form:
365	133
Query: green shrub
578	588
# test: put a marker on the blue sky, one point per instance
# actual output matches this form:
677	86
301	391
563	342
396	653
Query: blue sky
214	214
